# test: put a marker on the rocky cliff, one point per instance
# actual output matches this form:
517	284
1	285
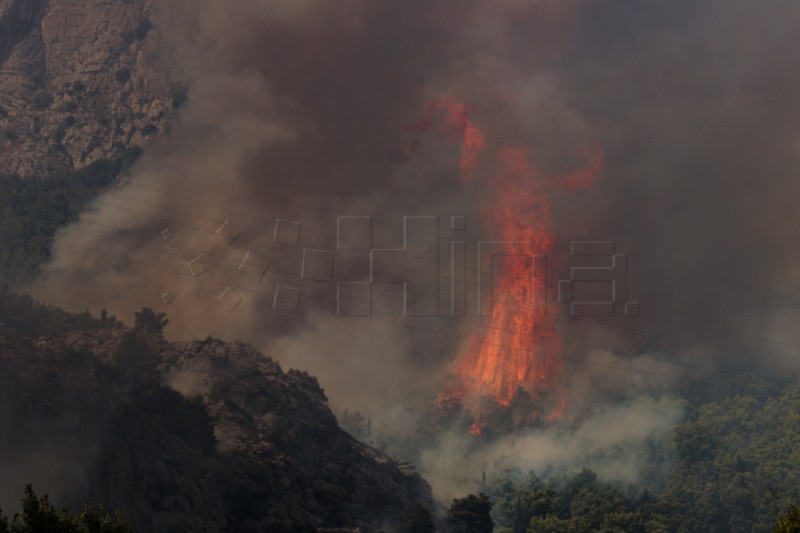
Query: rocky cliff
95	414
79	80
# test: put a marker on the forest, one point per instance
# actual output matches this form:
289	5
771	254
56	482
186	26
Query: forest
32	209
734	468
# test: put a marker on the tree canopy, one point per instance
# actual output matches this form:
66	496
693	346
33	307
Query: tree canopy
148	321
733	468
471	514
38	515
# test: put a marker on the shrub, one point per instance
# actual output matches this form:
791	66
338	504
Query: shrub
42	99
123	75
141	31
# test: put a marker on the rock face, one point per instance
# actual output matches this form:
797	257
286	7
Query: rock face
79	80
104	402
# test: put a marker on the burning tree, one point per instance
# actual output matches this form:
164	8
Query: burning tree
510	356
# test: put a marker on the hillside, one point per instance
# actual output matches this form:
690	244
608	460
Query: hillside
246	447
79	81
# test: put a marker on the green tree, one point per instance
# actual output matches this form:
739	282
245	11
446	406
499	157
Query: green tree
96	521
39	516
789	522
471	514
551	524
147	320
515	510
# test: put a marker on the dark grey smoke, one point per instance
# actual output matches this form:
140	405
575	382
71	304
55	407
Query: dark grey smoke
299	110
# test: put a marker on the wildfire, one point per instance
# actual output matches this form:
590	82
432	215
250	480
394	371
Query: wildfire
458	124
507	357
510	354
476	428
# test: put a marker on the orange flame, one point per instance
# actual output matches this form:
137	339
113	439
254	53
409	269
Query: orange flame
510	355
557	412
507	359
458	123
476	428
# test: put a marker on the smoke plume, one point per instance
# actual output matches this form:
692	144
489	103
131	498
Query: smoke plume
302	112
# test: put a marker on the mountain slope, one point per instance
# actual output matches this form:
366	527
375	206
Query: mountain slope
247	447
80	80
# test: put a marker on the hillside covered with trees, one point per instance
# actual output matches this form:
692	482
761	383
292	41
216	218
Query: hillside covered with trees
32	208
190	436
735	468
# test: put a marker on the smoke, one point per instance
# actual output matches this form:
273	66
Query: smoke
612	441
616	412
300	111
